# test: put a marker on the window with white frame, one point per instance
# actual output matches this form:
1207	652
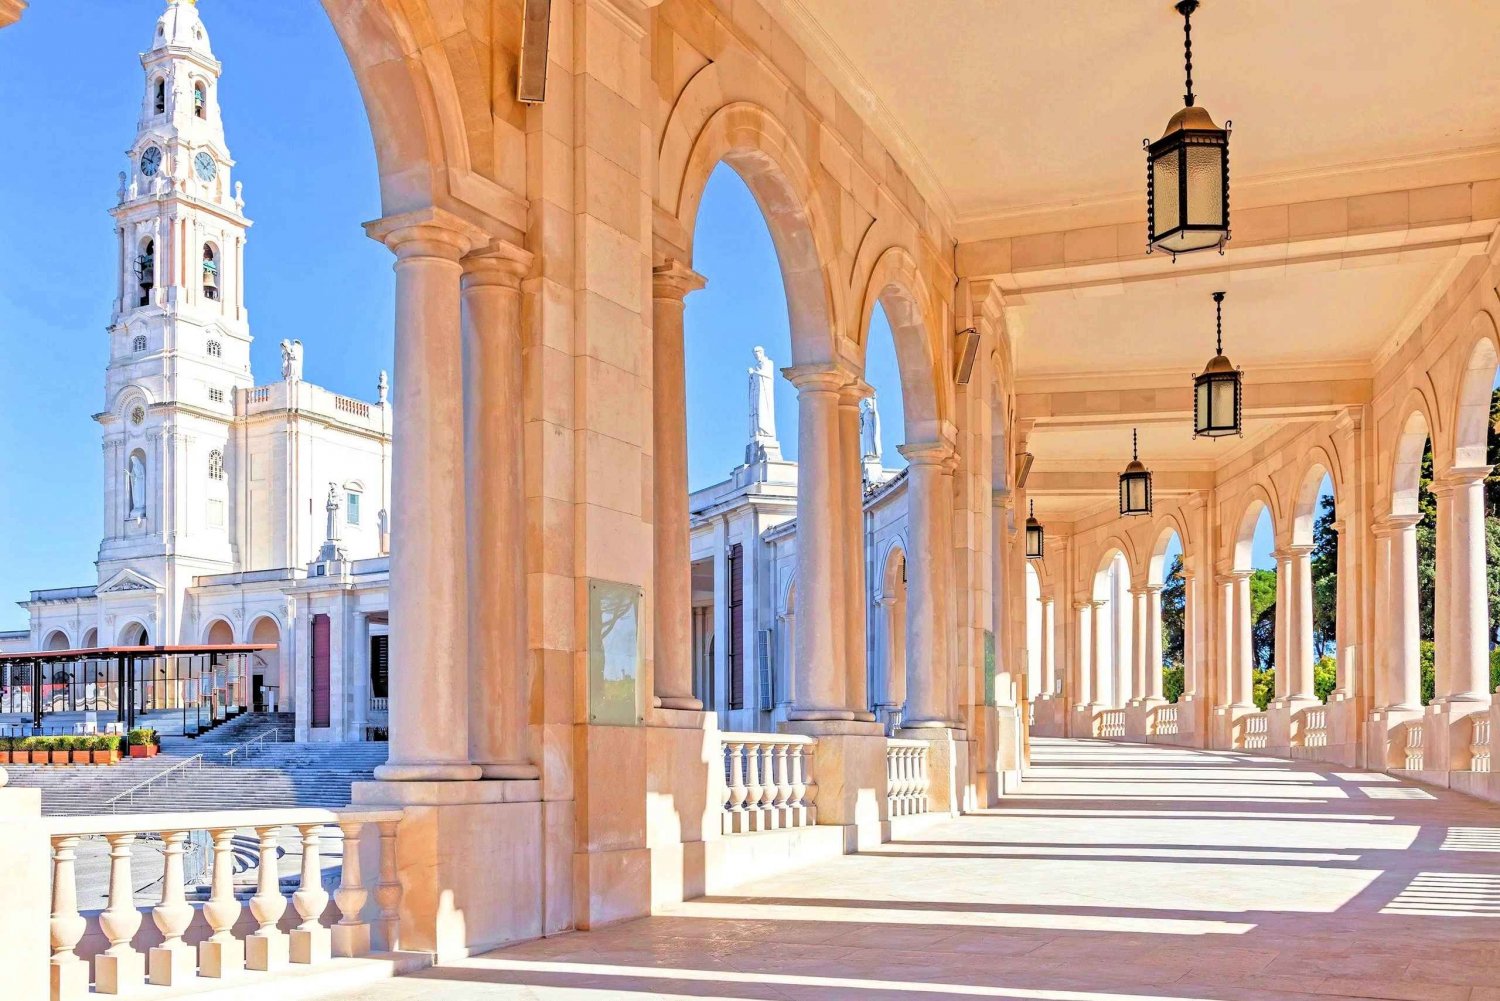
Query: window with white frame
351	507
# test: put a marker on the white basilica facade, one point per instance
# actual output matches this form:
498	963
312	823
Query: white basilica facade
233	512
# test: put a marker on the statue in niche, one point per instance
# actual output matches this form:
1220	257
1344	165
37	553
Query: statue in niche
291	361
333	512
869	428
135	482
382	388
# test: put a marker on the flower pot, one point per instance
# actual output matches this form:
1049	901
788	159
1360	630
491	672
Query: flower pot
5	757
61	757
152	750
140	750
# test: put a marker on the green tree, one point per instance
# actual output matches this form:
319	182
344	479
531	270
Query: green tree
1325	678
1325	579
1263	618
1426	549
1173	608
1172	682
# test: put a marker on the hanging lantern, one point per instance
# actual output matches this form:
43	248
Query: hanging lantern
1218	392
1135	483
1187	173
1034	536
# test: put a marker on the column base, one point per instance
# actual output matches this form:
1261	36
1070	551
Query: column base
70	980
814	715
427	772
311	945
519	770
679	702
267	952
469	856
349	941
849	771
170	967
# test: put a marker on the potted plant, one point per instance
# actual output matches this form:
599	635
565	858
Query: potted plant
143	743
81	750
62	750
5	743
104	750
20	751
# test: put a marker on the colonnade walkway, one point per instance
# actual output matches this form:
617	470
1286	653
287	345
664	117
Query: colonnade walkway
1119	872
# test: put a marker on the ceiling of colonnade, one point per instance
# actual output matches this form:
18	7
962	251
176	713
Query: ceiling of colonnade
1023	122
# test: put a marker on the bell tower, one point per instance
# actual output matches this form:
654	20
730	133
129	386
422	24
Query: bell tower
179	335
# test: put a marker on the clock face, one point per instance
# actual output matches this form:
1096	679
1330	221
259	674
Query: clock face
207	169
151	161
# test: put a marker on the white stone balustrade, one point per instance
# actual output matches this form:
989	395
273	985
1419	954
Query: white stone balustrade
907	779
1164	721
174	961
1479	741
1413	760
1255	730
1110	723
768	781
1315	727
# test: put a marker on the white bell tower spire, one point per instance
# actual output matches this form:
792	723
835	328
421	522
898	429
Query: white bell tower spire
179	334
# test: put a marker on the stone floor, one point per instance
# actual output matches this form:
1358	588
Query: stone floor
1119	873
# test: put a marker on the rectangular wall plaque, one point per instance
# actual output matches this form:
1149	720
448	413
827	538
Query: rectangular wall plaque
614	654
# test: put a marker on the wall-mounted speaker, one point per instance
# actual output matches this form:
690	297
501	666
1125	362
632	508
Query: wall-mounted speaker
536	22
966	349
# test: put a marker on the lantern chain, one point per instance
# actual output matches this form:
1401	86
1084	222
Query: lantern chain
1186	8
1219	322
1135	441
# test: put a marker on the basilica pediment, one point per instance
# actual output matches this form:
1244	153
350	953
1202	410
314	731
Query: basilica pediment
128	580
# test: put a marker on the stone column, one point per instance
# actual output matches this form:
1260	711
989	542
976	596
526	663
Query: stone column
1048	659
1299	641
495	472
1463	629
1242	665
1122	607
820	673
1083	691
1152	692
1140	645
895	625
927	693
1282	646
1102	643
672	598
1192	668
856	610
1348	588
429	732
1403	649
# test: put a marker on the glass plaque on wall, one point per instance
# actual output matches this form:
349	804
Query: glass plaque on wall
989	668
614	653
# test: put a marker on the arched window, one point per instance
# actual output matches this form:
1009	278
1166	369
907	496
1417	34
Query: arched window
210	273
200	99
159	106
216	465
215	349
139	344
145	271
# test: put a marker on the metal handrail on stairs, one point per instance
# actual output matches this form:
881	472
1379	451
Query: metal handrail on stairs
196	761
255	743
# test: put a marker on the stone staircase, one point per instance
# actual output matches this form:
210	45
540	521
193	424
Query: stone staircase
276	774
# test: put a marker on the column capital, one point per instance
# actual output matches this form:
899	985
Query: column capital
499	263
674	280
818	377
855	390
429	232
1459	476
1390	524
927	453
1079	606
1002	497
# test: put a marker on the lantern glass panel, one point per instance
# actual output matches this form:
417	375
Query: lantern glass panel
1033	541
1221	413
1136	493
1205	185
1202	415
1164	174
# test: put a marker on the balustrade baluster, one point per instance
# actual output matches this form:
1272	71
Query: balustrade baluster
171	963
808	777
752	785
120	969
70	974
310	941
267	947
737	789
222	955
388	890
351	936
783	786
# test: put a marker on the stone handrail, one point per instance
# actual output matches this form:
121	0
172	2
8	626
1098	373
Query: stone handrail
768	781
907	779
1315	727
380	704
1256	731
165	775
1164	720
1413	760
1479	741
121	968
1110	723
